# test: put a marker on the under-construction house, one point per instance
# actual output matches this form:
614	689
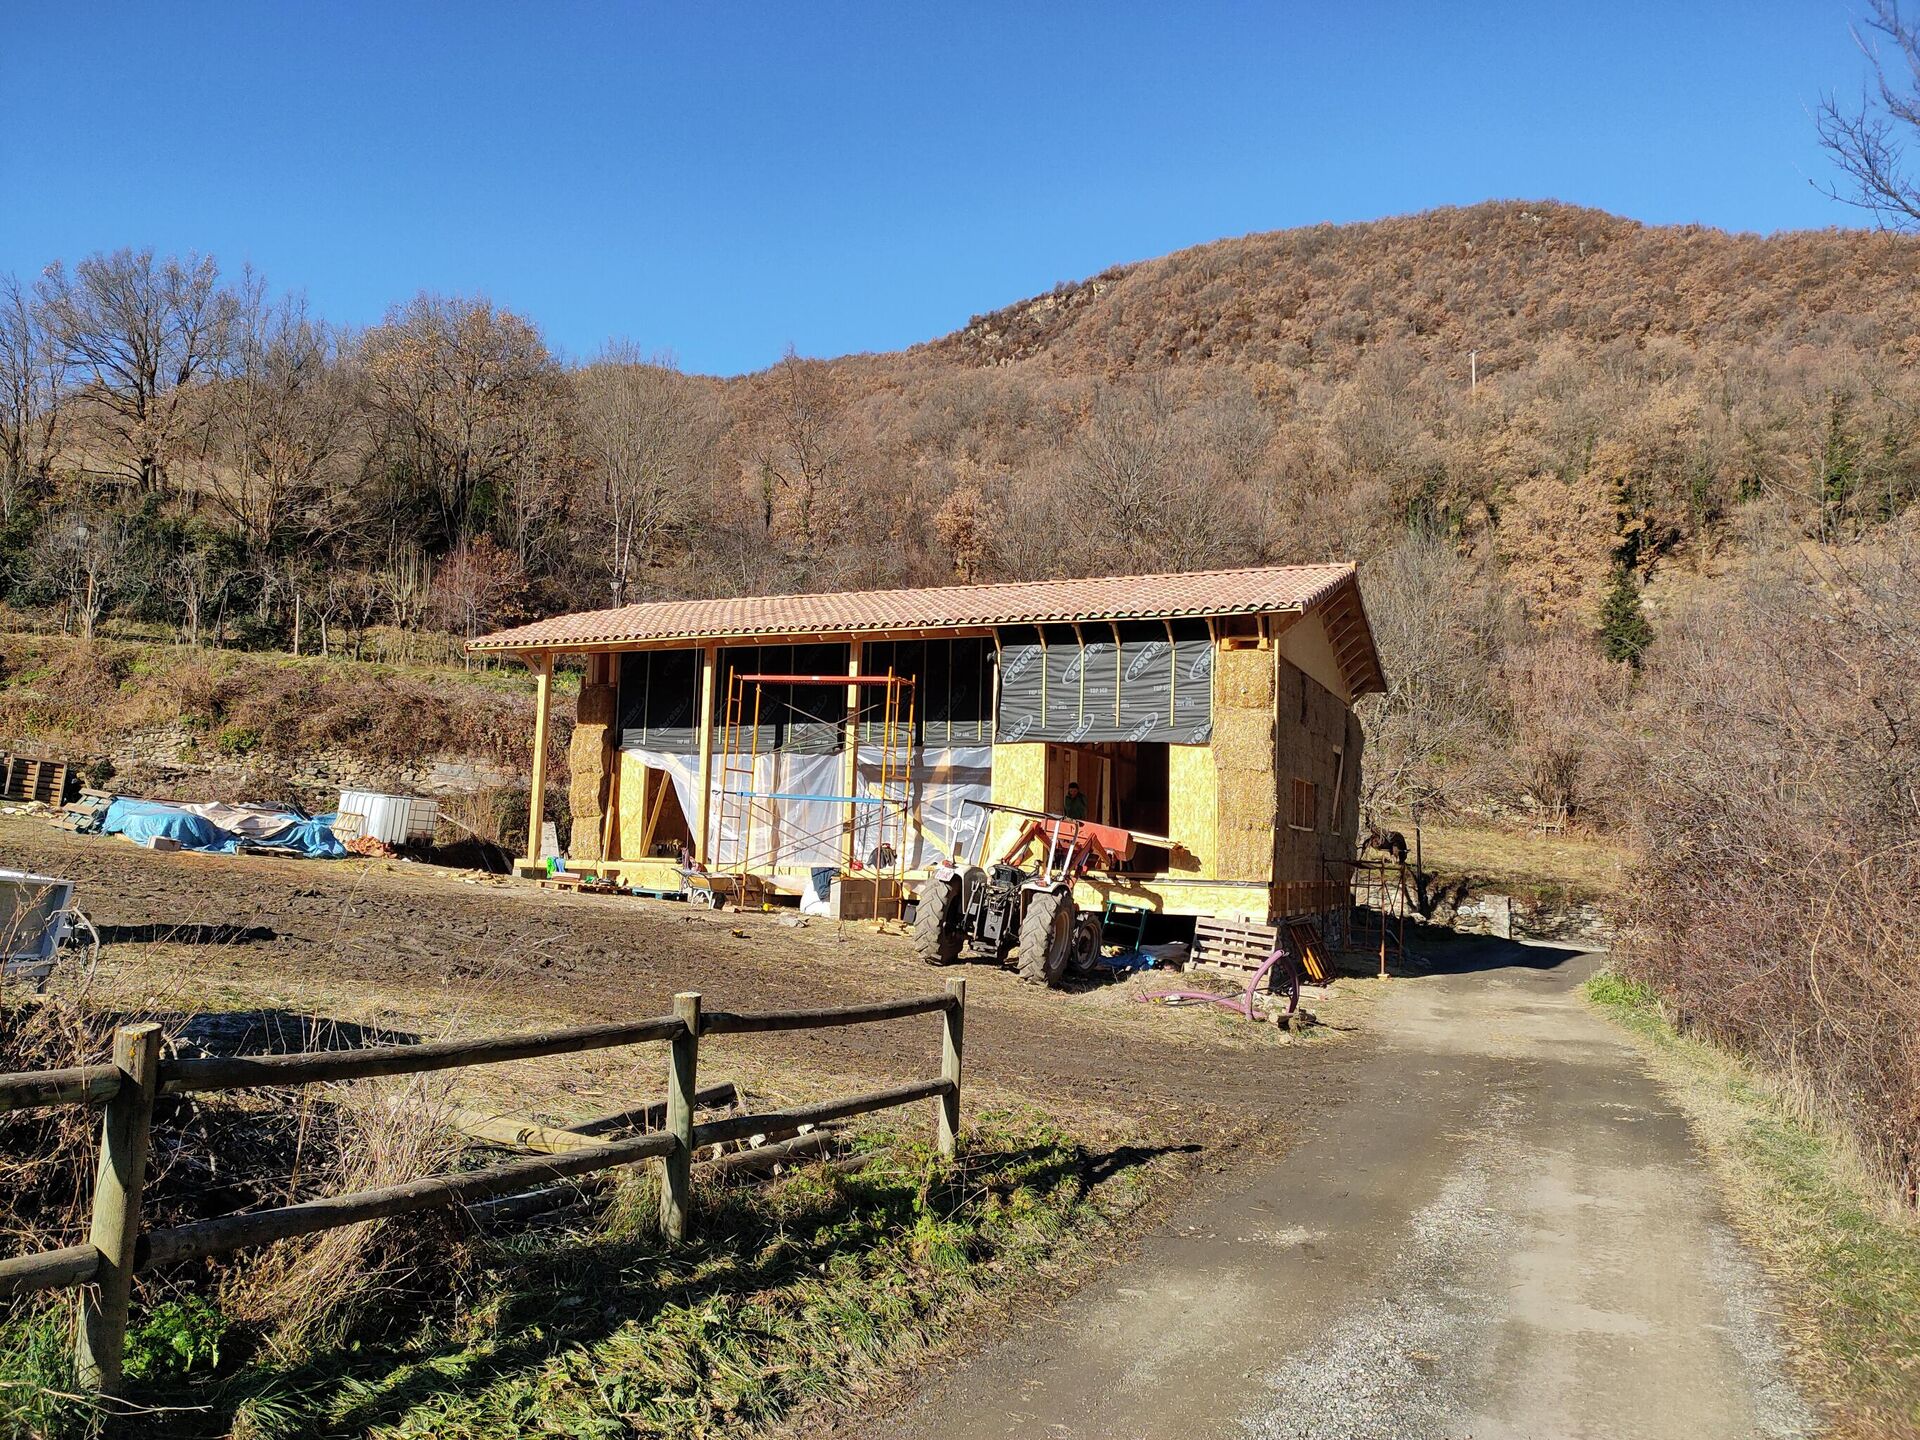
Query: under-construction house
832	747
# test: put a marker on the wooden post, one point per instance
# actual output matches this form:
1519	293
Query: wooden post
709	663
850	764
683	1066
125	1134
952	1040
537	795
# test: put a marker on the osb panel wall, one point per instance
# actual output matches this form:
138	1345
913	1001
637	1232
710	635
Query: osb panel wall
631	797
1192	811
588	756
1315	727
1019	778
1243	758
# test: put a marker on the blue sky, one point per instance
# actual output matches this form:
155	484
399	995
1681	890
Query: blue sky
721	181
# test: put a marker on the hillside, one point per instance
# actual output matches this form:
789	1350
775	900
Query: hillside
1526	420
1507	279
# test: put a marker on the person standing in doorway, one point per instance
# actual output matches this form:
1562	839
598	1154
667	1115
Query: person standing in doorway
1074	807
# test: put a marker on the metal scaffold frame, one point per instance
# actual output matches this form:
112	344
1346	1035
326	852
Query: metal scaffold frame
887	802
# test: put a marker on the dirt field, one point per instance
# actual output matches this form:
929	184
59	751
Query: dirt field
427	952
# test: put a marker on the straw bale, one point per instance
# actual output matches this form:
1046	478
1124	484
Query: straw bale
1243	740
596	705
1243	679
1246	852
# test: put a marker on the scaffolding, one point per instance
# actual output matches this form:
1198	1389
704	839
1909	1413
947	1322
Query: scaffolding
877	818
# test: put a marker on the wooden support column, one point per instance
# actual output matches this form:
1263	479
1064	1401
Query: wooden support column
709	663
850	768
125	1136
537	794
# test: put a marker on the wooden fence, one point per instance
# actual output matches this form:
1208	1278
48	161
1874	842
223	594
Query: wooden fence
118	1247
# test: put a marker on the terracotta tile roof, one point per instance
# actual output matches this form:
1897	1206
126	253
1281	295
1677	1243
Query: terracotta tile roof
855	612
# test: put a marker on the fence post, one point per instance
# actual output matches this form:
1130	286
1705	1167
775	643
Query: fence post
683	1065
125	1134
952	1036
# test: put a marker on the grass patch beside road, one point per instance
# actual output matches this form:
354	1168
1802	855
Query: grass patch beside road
1849	1262
815	1290
1547	867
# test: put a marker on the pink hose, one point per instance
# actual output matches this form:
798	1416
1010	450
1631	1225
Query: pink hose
1243	1006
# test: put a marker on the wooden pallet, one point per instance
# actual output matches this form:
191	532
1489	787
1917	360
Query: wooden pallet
579	884
28	778
1233	944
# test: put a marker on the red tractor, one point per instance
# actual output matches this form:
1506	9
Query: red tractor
1022	904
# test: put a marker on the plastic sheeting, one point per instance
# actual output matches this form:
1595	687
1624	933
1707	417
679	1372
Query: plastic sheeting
789	827
225	829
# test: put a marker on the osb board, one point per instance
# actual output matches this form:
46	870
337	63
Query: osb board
1307	646
631	825
1019	778
1192	814
1238	901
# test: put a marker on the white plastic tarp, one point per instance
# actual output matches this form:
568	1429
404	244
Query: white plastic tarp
789	826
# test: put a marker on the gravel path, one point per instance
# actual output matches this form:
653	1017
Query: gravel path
1497	1227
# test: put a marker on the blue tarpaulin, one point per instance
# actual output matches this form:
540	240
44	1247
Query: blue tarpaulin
225	829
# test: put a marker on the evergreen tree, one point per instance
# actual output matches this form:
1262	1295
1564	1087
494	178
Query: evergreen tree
1625	632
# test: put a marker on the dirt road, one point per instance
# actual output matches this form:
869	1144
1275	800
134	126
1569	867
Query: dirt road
1497	1227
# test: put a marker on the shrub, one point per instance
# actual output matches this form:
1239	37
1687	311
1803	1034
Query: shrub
1779	891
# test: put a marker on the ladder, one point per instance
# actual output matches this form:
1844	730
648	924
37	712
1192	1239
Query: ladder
739	758
883	846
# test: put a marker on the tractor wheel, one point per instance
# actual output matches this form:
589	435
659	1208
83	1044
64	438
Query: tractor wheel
933	941
1088	936
1046	938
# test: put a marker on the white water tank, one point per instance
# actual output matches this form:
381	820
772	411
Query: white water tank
394	819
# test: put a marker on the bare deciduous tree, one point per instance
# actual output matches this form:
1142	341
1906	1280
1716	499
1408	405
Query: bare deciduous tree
197	575
82	556
1868	140
32	396
138	334
470	406
799	450
640	434
282	420
1440	626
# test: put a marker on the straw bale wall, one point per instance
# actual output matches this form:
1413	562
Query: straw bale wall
1243	747
588	757
1314	727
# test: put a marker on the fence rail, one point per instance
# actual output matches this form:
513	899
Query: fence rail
118	1247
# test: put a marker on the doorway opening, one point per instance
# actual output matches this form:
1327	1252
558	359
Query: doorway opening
1124	782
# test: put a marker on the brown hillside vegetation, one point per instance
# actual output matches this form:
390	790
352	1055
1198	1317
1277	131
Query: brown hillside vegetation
1508	279
1634	507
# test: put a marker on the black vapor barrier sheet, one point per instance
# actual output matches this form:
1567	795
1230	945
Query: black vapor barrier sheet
660	699
1138	680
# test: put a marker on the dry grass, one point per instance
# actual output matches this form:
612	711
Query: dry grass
232	709
1573	864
